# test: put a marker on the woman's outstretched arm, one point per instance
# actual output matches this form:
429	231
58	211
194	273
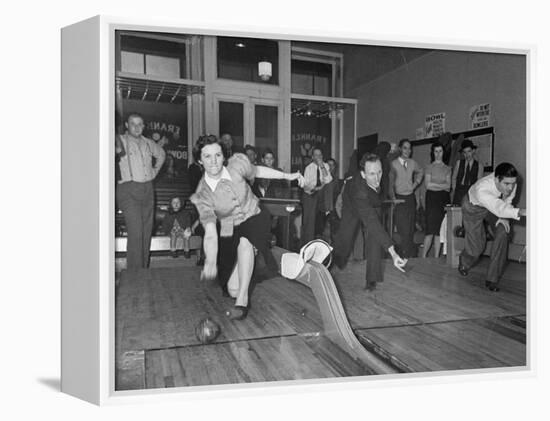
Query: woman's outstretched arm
210	270
270	173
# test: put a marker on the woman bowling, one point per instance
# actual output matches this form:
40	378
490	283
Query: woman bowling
223	195
438	183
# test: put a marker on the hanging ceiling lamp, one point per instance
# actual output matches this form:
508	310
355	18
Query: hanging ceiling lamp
264	70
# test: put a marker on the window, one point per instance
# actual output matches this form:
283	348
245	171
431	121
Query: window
152	56
266	128
311	78
232	121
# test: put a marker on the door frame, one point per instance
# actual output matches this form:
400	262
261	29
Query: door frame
249	123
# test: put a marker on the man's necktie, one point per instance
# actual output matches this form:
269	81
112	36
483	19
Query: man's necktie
466	173
318	176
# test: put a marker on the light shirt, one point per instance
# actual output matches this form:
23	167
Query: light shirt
310	177
213	182
484	193
231	201
137	164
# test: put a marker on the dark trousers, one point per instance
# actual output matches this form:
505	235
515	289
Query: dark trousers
345	240
459	193
405	215
473	218
334	223
257	230
310	203
137	201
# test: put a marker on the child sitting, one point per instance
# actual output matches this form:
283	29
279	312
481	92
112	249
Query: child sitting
178	223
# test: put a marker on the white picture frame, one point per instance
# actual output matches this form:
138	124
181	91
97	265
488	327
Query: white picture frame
88	248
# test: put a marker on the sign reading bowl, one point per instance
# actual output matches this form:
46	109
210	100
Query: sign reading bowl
434	125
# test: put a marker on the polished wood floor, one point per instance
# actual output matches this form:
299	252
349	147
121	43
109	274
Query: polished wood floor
429	319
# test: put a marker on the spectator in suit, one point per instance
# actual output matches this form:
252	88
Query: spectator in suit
466	172
330	194
317	176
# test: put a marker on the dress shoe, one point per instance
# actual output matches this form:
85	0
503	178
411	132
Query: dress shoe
174	254
237	313
371	286
461	268
339	262
187	254
492	286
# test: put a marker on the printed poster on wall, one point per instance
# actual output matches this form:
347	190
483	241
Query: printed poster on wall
434	125
307	133
166	124
480	116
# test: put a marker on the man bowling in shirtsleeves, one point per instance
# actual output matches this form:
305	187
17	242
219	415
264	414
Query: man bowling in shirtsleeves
489	200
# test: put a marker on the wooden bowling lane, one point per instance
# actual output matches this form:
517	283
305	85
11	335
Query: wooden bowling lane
434	319
468	344
257	360
160	308
429	319
430	292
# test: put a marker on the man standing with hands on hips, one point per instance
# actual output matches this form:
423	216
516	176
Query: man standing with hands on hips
490	200
134	192
316	175
405	176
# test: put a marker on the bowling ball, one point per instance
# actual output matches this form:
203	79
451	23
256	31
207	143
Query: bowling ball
207	330
459	231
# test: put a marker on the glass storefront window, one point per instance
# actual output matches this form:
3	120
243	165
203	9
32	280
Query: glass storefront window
151	56
311	78
265	129
232	122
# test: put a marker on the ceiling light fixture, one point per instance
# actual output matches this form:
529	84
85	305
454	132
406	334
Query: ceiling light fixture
264	70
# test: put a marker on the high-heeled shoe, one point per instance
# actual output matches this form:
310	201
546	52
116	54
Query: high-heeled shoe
237	313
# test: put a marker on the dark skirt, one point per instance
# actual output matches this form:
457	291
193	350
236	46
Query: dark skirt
257	230
435	210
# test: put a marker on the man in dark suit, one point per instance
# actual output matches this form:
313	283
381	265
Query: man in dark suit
362	204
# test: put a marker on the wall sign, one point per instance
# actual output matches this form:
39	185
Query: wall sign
480	116
434	125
